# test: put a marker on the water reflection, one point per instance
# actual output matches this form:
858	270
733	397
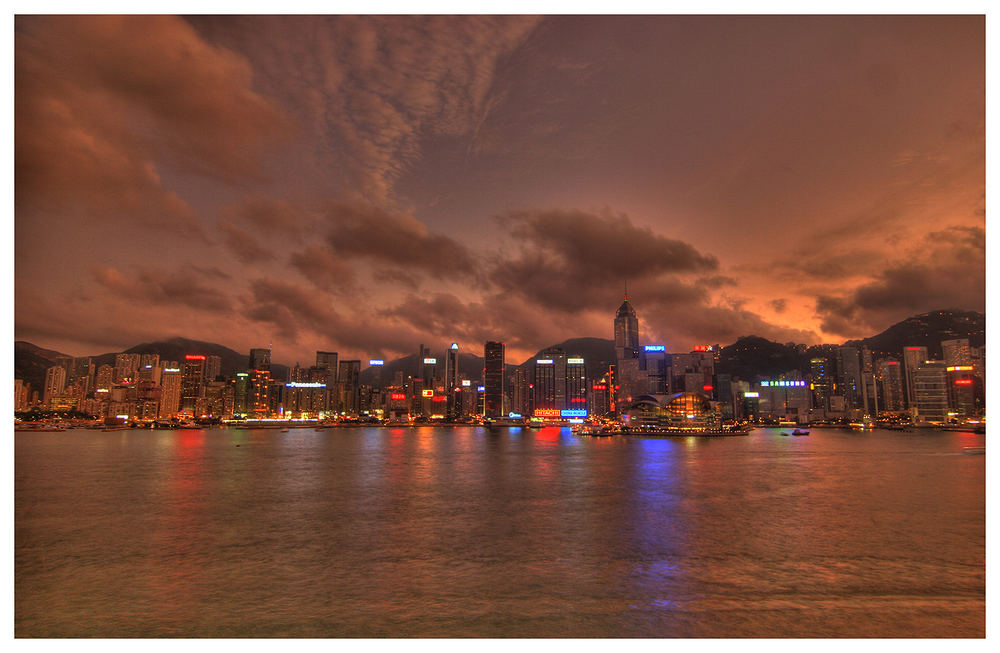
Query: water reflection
460	532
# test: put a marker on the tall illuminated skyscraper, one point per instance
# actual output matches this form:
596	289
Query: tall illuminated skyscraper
626	354
191	381
493	379
913	357
451	380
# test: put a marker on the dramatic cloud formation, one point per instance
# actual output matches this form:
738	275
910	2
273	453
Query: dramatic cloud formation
367	183
96	107
946	271
364	231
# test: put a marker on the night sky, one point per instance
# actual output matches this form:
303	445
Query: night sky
367	184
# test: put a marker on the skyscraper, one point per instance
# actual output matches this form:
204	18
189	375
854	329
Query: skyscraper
213	367
956	352
544	396
260	359
170	397
191	382
55	383
930	391
913	357
451	386
626	354
493	379
576	383
350	386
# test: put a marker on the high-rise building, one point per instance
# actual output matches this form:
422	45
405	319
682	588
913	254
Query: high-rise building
260	359
930	391
104	378
241	393
191	382
962	388
451	386
55	383
350	386
626	355
493	379
849	376
544	395
956	352
170	396
822	382
259	399
153	360
521	387
913	357
20	395
213	367
890	375
576	383
83	367
654	362
328	361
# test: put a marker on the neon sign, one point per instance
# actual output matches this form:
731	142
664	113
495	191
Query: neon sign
544	361
655	348
195	357
547	412
466	383
751	394
783	384
427	393
376	362
397	396
573	413
960	368
480	388
297	384
574	361
430	361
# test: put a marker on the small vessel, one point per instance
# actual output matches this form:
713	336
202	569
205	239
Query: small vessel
800	432
974	451
33	426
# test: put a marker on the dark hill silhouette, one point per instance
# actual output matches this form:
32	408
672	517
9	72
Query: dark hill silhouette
748	357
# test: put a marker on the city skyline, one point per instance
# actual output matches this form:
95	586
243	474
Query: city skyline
362	184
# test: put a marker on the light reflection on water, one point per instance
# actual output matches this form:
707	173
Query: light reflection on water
514	532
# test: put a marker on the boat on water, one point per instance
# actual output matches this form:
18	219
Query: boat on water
974	451
36	427
800	432
663	432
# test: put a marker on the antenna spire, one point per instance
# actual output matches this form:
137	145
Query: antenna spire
626	290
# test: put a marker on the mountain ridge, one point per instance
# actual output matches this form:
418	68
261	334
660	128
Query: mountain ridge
750	354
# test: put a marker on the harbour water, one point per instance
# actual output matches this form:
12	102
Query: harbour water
445	532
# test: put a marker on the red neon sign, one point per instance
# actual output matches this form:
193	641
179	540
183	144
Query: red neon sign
439	398
398	396
963	382
600	387
195	357
707	388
